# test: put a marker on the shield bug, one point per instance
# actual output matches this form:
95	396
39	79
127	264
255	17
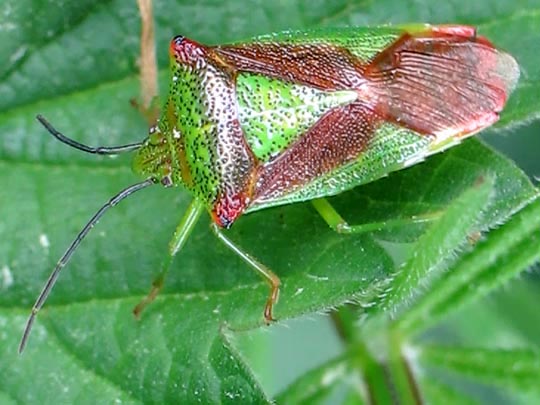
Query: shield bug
302	115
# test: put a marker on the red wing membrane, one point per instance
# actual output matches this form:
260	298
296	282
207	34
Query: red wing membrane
447	84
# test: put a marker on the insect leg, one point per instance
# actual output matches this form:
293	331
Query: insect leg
180	236
269	276
338	224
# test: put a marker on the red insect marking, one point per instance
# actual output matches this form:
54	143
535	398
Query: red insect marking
465	31
228	208
186	50
323	66
338	137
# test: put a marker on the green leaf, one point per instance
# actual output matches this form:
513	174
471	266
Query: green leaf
448	234
514	369
76	63
356	372
318	383
513	306
501	256
436	393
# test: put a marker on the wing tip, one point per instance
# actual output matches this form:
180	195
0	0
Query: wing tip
509	71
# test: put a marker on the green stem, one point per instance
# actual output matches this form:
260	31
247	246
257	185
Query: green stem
402	378
378	387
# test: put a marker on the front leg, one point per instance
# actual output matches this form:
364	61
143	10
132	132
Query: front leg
181	235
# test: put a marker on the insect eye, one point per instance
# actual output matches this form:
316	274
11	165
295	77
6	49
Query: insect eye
185	50
177	40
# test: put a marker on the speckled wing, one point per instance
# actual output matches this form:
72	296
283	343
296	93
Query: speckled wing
418	92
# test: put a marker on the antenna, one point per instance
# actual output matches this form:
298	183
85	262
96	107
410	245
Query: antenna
76	242
100	150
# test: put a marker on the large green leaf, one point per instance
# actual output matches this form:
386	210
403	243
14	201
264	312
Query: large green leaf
76	63
503	254
516	369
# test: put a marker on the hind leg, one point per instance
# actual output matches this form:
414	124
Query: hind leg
338	224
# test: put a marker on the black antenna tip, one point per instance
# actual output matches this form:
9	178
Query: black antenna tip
27	329
41	119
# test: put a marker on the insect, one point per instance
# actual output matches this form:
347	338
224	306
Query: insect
302	115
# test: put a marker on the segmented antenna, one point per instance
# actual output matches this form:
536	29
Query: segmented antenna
100	150
71	249
89	225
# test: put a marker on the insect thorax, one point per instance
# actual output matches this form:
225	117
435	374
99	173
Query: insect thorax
206	151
